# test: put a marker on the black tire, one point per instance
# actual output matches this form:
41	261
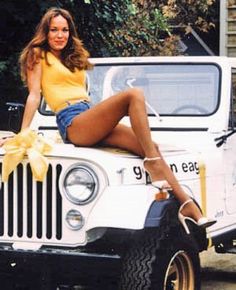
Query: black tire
172	264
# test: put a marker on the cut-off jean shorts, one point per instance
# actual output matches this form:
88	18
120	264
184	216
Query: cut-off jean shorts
65	117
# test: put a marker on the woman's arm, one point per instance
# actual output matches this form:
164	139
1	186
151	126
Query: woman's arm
33	99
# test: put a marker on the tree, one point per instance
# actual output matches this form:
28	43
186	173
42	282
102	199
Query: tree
197	13
146	27
124	28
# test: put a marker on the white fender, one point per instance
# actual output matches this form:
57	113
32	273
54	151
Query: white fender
122	207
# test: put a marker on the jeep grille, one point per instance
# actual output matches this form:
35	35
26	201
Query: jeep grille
30	209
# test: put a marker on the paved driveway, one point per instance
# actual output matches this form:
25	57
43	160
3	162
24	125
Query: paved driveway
218	271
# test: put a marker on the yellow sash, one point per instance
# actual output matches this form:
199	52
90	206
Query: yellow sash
30	143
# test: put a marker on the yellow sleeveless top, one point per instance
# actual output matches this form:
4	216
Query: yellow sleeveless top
60	86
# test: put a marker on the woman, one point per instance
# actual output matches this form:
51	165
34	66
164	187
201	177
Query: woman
55	62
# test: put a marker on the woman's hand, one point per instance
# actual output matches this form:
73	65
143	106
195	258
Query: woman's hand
4	139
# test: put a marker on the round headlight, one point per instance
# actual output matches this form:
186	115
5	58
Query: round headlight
81	185
74	219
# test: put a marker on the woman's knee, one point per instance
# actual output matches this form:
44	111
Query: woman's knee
130	95
136	94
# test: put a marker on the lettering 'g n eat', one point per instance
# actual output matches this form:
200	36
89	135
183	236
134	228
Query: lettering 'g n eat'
191	166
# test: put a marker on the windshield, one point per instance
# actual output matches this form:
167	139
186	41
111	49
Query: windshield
170	89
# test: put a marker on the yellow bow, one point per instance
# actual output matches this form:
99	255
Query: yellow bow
30	143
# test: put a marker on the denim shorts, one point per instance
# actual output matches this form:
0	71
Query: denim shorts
65	117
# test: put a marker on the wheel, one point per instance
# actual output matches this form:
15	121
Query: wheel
166	265
180	273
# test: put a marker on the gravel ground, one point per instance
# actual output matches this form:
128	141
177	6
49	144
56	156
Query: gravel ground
218	271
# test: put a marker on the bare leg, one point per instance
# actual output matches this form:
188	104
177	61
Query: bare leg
99	124
124	137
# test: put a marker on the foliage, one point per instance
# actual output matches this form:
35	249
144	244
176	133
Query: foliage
194	13
123	28
142	27
102	18
138	33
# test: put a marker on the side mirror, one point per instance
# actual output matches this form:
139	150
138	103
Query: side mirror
222	139
15	114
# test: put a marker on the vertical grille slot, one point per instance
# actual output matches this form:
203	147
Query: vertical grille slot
49	204
30	209
20	201
39	209
59	205
29	201
10	205
1	206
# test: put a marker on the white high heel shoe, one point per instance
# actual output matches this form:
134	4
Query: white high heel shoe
203	222
159	184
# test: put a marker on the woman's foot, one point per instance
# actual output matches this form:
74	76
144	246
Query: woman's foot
154	171
189	211
154	167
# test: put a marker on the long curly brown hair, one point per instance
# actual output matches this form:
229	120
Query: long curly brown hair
74	55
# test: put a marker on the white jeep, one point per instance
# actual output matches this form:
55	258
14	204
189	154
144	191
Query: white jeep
98	203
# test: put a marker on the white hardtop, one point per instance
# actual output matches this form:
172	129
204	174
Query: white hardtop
164	59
